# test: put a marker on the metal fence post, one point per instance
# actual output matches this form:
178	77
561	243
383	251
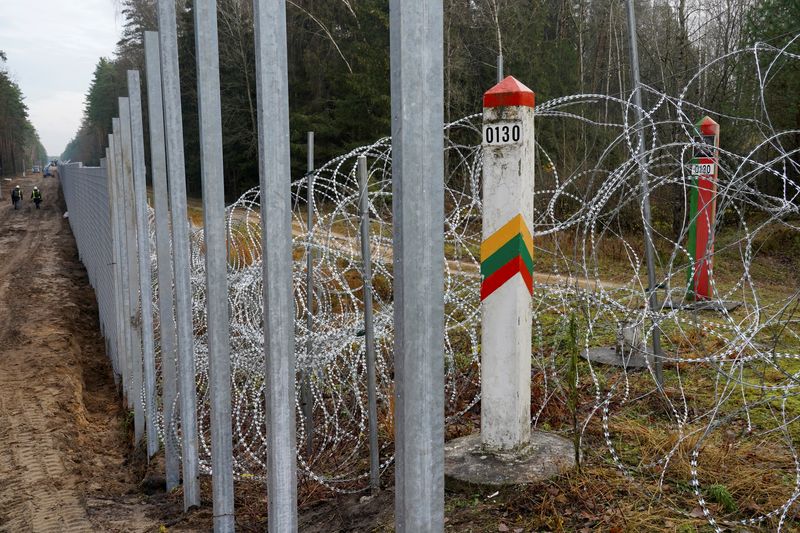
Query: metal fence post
145	274
273	141
500	67
306	397
369	330
135	361
166	311
211	170
119	335
180	246
649	245
416	47
124	263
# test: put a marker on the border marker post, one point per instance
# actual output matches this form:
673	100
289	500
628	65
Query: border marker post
703	208
507	265
507	451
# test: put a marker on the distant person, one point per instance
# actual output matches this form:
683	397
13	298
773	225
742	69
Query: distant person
36	196
16	197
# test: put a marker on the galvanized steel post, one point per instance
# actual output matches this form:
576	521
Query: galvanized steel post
211	170
649	245
119	331
273	141
369	326
166	308
145	275
416	45
124	264
306	397
135	361
500	75
180	246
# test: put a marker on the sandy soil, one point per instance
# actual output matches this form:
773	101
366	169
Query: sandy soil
64	451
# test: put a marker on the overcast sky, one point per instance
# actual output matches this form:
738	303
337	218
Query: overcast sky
53	47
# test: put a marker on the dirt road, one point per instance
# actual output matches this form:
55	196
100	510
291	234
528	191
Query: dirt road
63	443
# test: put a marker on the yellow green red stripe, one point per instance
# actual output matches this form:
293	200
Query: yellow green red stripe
513	248
506	252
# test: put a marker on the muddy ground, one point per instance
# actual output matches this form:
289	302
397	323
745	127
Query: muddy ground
67	463
65	457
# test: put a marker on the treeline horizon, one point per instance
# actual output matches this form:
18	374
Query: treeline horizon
20	146
339	71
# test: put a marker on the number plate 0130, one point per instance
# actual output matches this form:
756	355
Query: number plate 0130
702	169
502	133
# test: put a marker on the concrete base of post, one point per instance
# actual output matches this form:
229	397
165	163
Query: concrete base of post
703	305
629	352
467	463
613	356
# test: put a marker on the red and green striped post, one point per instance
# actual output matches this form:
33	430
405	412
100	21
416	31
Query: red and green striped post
702	208
507	265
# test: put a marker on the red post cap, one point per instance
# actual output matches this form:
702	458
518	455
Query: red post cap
707	126
509	92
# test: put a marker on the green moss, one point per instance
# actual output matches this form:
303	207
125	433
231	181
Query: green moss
720	494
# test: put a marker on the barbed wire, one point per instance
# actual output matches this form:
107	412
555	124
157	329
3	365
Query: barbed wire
727	370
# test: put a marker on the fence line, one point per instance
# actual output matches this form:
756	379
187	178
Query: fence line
114	229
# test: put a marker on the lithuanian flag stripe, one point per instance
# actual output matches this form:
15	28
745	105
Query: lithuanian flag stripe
514	248
507	252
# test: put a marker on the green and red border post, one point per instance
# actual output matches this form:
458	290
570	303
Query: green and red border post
702	209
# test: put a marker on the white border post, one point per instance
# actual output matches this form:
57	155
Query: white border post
173	125
276	222
166	307
211	171
507	265
416	46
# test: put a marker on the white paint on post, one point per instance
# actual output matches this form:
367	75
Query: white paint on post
166	308
145	274
273	149
173	125
211	172
506	314
416	46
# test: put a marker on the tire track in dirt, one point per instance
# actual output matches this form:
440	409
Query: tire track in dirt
64	455
37	493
